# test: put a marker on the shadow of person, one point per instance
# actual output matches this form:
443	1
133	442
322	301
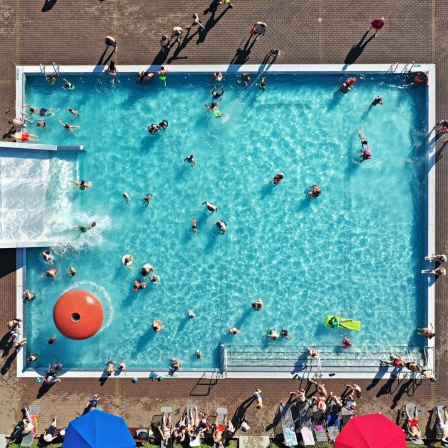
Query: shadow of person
240	411
48	5
6	344
101	59
357	49
160	58
8	363
103	378
212	7
44	388
242	54
211	22
185	41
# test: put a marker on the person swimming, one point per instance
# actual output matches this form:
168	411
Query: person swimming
153	128
216	94
147	199
194	225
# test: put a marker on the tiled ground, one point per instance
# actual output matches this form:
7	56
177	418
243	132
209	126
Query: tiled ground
308	31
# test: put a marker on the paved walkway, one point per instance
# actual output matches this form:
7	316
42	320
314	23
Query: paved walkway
307	31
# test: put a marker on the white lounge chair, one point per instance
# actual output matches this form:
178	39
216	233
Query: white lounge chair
306	424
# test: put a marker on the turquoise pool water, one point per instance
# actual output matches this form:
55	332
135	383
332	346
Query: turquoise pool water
356	250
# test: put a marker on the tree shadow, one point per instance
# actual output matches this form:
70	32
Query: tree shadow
357	49
48	5
211	22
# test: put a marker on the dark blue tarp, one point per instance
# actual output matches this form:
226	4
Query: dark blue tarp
98	429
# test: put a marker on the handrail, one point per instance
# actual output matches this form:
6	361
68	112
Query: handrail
406	66
392	68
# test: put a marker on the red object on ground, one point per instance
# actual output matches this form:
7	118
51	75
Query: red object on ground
377	23
371	431
78	314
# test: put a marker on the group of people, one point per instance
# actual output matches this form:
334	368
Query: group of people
437	270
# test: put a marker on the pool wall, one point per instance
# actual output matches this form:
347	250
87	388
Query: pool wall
262	372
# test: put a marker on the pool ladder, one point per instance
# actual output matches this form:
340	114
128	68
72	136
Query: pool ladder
406	69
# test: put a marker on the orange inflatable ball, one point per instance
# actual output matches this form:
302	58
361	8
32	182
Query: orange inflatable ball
78	314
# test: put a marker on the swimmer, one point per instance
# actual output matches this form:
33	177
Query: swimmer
198	354
38	111
46	255
51	79
313	352
194	226
157	325
217	76
366	155
273	334
234	330
315	191
153	128
85	229
163	71
155	279
41	123
211	106
147	199
110	367
52	272
277	179
175	364
377	100
222	226
245	77
111	69
285	333
68	85
139	285
335	322
33	357
262	84
216	94
426	332
258	305
163	124
127	261
146	269
19	344
211	207
82	184
190	160
144	76
68	126
29	295
396	361
127	197
437	258
24	137
191	314
347	85
71	272
438	271
72	111
122	366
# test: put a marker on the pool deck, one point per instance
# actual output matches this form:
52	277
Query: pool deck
308	32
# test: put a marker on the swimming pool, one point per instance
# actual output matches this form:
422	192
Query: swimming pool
356	250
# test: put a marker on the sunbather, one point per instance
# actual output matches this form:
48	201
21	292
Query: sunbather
49	435
28	424
413	427
165	430
320	388
320	402
335	399
349	403
443	423
179	430
193	418
396	361
353	388
217	437
300	394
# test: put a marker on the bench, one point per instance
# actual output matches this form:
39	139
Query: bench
133	430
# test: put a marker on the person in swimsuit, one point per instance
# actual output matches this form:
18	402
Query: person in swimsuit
210	207
222	226
315	191
165	430
190	160
216	94
320	388
85	229
68	126
258	305
300	394
25	136
211	106
157	325
285	333
72	111
377	100
259	29
246	78
217	76
46	255
234	330
82	185
426	332
320	402
413	426
52	272
153	128
147	199
163	124
139	285
110	367
38	111
146	269
277	179
127	261
126	196
336	322
396	361
71	272
347	85
262	84
164	44
155	279
29	295
353	389
175	34
67	85
274	335
194	225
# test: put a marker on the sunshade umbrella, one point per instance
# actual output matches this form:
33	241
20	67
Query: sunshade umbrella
371	431
98	429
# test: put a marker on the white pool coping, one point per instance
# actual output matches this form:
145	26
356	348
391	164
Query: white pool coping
342	69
